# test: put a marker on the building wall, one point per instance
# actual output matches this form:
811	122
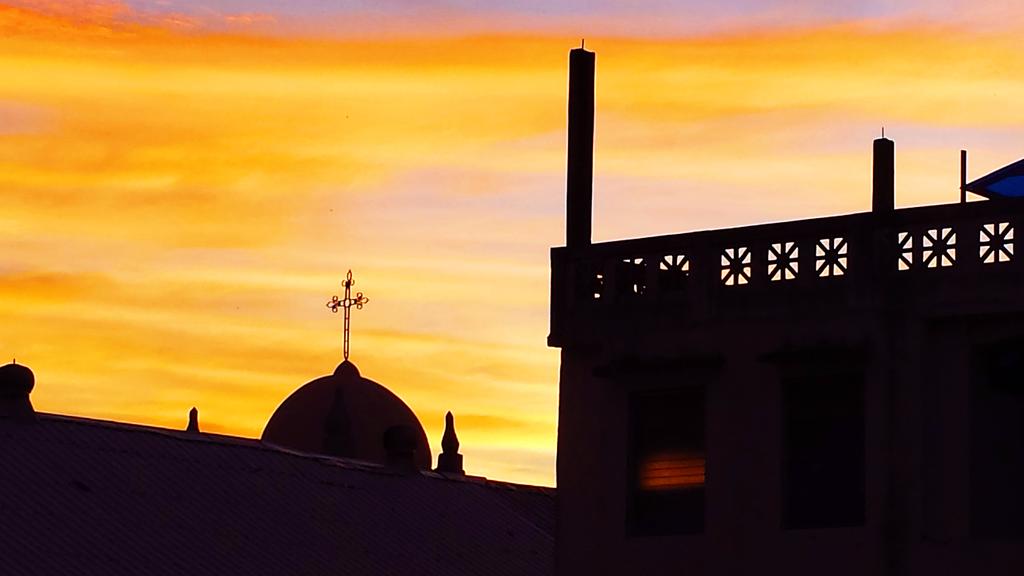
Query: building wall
917	337
742	501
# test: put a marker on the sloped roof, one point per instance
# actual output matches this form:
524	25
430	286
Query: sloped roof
1007	182
91	497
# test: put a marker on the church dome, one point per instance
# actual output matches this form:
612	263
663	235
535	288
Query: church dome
344	415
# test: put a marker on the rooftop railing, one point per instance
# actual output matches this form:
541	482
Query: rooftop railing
838	260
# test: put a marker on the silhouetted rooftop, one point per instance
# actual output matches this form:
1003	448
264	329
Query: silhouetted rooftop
93	497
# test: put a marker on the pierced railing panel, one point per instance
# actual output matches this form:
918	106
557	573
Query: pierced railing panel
786	262
632	277
589	282
673	272
736	268
830	257
783	261
906	255
939	246
995	243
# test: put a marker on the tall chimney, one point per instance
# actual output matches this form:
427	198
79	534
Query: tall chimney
580	180
883	190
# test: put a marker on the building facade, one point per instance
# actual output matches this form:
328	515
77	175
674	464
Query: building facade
841	395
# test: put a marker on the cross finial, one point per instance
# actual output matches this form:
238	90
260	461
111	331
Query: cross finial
347	303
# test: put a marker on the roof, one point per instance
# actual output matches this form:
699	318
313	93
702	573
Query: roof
1007	182
93	497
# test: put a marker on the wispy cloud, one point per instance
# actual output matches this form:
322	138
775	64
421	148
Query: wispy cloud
572	18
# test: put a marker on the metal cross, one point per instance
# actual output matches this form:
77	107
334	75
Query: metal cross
347	303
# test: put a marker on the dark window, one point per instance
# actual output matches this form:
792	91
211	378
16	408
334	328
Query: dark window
667	462
823	451
997	442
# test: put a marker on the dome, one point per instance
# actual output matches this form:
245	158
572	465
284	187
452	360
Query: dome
16	380
16	383
344	415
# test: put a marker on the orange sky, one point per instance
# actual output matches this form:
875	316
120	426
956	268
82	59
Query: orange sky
180	202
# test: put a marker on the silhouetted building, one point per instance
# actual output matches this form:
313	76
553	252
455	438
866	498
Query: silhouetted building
82	496
840	395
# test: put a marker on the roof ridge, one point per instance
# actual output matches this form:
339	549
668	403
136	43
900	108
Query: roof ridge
256	444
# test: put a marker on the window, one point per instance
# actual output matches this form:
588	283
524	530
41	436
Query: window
823	451
997	442
667	462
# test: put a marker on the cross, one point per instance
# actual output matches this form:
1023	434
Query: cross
347	303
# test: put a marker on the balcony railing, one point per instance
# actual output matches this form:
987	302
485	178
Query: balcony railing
826	261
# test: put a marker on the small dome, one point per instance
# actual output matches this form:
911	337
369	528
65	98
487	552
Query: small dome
16	383
344	415
16	380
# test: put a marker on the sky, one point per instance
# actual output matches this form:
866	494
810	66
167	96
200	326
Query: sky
183	185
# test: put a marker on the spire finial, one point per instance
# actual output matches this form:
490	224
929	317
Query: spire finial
449	461
883	131
193	421
583	42
347	303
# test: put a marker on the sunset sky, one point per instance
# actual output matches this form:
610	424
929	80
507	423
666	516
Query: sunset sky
185	184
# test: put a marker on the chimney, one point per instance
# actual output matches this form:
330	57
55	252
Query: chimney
883	190
16	383
449	461
400	446
580	165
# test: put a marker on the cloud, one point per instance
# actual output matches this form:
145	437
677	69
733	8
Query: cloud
250	19
105	17
17	118
96	12
401	18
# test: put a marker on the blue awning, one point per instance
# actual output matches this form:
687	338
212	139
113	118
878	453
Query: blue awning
1007	182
